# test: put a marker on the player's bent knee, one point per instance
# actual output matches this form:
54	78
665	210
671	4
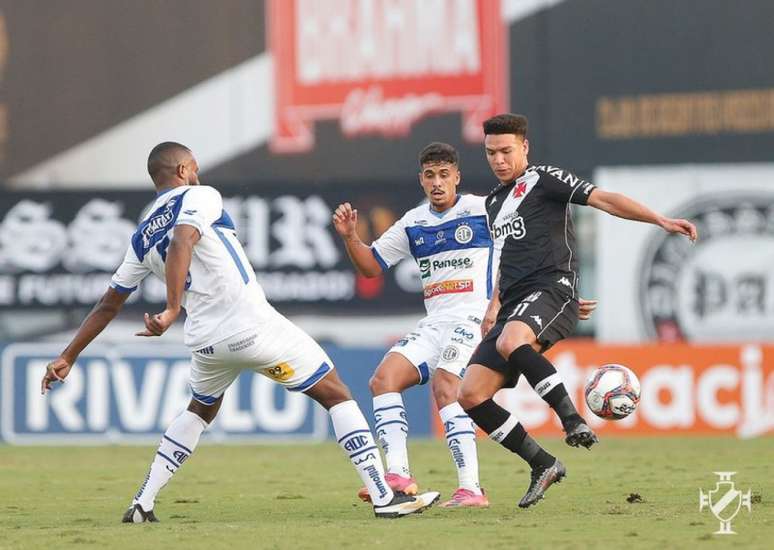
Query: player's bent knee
383	382
330	391
469	398
507	343
378	384
205	412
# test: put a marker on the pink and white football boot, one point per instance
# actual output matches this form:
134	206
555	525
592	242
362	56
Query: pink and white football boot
465	498
397	482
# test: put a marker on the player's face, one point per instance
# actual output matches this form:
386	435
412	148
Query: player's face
507	155
439	181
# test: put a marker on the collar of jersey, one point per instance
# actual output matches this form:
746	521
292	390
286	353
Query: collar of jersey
442	214
502	186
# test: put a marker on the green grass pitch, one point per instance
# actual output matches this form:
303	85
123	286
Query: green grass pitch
303	496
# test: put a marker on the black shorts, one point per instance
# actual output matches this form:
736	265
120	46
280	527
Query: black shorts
552	314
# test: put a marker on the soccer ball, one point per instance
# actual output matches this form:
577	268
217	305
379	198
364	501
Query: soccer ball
612	392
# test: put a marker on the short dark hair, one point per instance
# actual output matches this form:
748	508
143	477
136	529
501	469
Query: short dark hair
438	152
163	155
506	123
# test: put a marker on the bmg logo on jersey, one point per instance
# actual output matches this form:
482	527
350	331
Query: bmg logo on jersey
512	228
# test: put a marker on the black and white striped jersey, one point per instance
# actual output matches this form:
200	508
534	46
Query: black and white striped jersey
531	225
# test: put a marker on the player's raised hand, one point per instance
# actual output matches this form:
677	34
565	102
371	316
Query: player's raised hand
586	308
156	325
56	370
345	220
683	227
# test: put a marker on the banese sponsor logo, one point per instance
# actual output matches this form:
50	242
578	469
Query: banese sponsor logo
721	288
404	61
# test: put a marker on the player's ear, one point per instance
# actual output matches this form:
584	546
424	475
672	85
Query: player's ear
526	146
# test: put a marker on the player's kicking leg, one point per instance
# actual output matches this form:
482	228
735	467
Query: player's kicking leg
177	445
354	437
478	388
519	346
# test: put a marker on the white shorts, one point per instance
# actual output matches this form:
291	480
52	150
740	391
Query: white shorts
445	345
279	350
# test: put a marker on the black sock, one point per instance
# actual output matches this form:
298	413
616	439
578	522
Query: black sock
542	376
508	432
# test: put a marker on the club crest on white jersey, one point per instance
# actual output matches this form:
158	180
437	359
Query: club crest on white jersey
454	253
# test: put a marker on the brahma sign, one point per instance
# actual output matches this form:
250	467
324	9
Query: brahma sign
379	66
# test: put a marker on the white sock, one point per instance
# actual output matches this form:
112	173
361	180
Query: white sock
391	429
177	444
355	438
461	439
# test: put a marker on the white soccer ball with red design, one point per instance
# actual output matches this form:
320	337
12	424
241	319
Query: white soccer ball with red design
612	392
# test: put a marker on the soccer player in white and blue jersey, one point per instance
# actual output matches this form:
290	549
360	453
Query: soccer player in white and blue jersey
449	239
188	240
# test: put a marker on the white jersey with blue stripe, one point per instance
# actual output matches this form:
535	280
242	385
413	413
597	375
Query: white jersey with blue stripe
454	252
222	296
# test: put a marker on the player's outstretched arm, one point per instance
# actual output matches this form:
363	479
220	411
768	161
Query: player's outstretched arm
100	316
624	207
345	223
177	264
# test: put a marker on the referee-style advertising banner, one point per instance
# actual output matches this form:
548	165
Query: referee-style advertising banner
659	286
59	249
130	394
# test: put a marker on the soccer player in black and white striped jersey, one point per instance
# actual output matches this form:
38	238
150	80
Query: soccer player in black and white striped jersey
536	301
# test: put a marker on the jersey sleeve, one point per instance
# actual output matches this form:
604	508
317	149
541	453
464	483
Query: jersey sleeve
202	206
392	246
129	274
563	186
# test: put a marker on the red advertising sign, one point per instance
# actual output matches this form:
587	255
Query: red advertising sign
379	66
686	389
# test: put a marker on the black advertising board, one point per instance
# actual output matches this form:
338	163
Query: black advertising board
59	249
